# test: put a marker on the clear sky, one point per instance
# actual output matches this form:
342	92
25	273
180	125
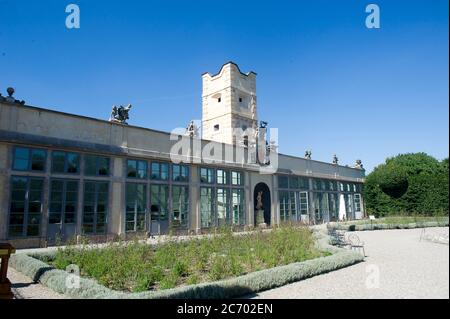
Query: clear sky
326	81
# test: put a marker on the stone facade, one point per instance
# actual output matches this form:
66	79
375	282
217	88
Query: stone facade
300	189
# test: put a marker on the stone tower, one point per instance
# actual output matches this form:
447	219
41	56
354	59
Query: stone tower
229	105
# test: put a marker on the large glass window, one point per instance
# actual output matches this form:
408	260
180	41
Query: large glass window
237	178
136	169
159	198
29	159
288	209
223	202
349	205
238	206
95	207
223	177
136	199
63	202
160	171
321	206
333	206
223	206
26	206
180	173
65	162
207	175
303	203
180	205
96	165
357	202
206	206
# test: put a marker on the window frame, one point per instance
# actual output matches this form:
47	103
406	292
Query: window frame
26	210
66	163
30	151
97	166
137	161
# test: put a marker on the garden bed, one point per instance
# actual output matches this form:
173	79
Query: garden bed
221	266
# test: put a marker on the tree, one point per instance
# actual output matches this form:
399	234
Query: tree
412	183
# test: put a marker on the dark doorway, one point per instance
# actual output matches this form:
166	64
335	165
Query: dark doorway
265	199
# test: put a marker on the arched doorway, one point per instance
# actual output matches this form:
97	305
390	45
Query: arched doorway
265	201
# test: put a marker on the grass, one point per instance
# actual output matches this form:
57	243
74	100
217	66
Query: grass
136	267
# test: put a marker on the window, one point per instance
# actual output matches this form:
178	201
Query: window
348	198
240	99
223	177
283	181
334	206
96	165
63	202
223	206
219	100
245	140
180	205
136	206
206	206
95	207
332	185
180	173
237	178
160	171
207	175
216	127
303	203
29	159
64	162
26	206
238	206
159	199
137	169
357	202
288	209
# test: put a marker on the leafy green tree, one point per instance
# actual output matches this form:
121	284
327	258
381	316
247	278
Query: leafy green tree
408	183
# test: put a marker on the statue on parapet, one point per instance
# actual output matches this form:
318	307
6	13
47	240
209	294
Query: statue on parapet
308	154
120	114
192	129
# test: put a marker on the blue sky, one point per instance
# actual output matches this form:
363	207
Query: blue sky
326	81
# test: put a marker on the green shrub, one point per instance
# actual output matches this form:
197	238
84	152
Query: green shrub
408	183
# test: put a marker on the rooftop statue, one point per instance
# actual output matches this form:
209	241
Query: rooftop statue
192	129
10	98
308	154
120	114
335	159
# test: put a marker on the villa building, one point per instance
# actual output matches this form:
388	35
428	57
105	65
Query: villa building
64	175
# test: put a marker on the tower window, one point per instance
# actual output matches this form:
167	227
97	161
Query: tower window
216	127
240	100
219	99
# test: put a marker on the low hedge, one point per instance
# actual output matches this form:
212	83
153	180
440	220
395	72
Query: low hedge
33	265
381	226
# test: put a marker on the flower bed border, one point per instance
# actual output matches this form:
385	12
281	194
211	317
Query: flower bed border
348	226
31	264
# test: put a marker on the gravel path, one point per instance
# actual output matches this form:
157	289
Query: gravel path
24	288
398	265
